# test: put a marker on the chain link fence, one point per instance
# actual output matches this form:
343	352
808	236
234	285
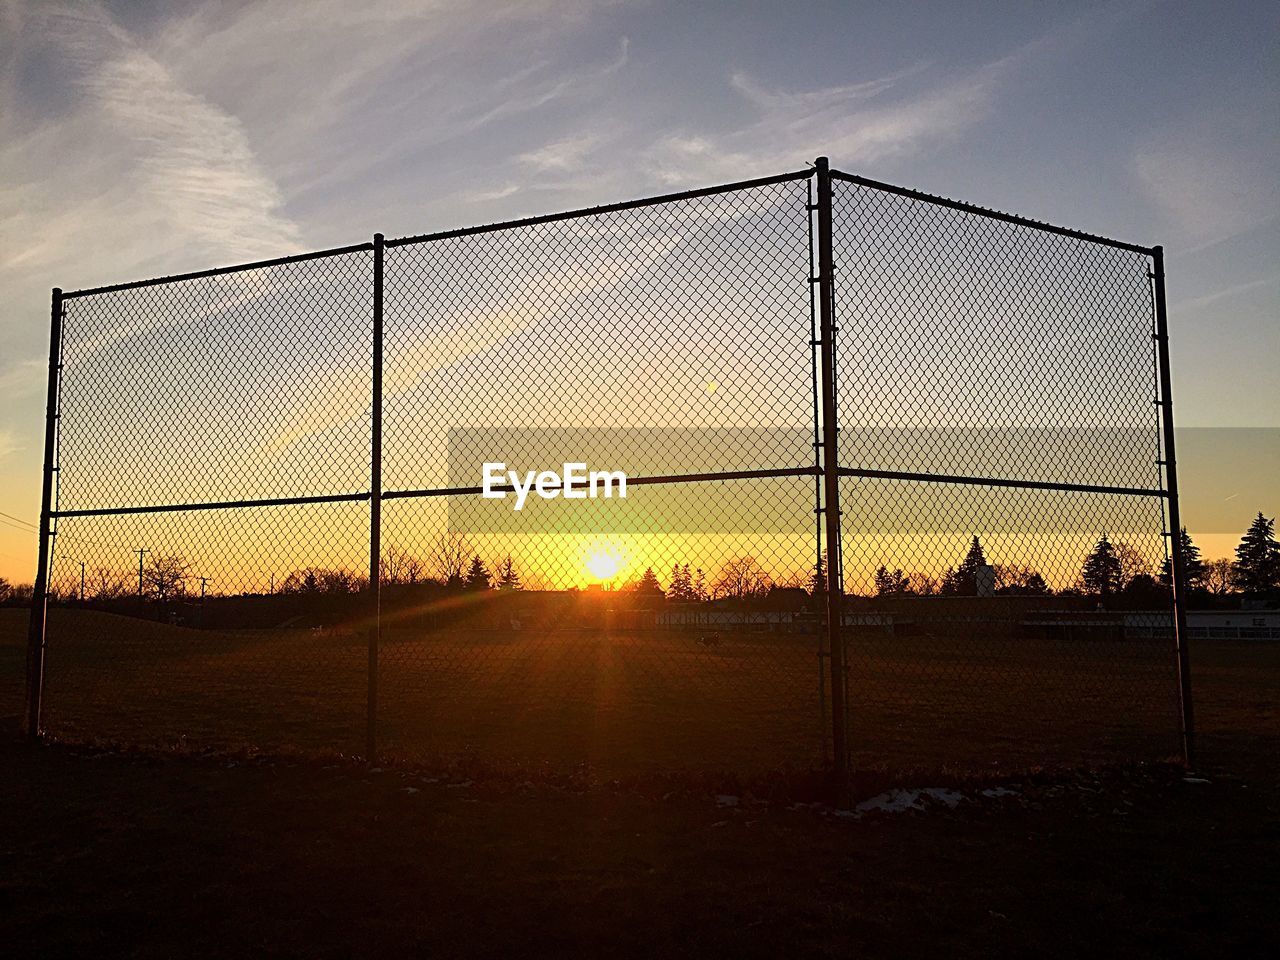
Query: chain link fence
1000	438
268	525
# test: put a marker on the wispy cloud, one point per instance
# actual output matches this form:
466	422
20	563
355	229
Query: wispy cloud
561	156
195	158
855	123
1232	291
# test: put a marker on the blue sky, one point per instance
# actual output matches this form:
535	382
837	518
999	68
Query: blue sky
142	138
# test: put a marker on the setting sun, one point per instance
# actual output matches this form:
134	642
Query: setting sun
603	564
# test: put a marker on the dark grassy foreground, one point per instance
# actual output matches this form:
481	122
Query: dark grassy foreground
185	856
167	854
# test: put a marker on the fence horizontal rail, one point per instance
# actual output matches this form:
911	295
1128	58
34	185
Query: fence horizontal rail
1000	482
219	271
428	492
631	482
990	213
211	505
604	208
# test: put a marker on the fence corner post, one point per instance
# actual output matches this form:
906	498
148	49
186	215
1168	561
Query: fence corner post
40	590
1177	578
831	483
375	509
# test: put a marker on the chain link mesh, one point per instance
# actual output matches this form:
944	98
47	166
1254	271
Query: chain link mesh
974	348
682	627
662	340
227	627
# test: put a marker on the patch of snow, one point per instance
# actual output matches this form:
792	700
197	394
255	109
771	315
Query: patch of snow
948	797
726	800
994	792
1194	780
899	801
408	789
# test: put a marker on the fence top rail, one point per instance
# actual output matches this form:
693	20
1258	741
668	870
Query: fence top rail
614	208
219	271
604	208
989	213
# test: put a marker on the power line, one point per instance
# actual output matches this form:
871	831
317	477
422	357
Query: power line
20	520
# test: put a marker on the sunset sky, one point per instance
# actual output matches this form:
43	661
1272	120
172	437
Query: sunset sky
146	138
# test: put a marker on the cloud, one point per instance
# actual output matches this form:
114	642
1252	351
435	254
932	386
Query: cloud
855	123
497	193
1233	290
561	156
196	158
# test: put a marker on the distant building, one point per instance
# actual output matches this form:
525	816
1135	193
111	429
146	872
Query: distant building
1233	624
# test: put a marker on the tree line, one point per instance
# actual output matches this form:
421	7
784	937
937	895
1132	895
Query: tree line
1111	568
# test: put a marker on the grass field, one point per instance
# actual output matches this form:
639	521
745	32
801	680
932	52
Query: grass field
161	854
629	703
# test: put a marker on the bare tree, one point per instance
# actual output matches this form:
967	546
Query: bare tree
1132	562
1017	579
450	556
166	576
922	584
1217	576
740	578
107	584
400	566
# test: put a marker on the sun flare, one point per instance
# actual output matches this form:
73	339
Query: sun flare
603	564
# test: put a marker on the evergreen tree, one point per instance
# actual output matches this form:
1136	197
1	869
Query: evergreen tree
681	589
648	583
889	582
508	579
963	581
699	586
1193	566
478	575
1101	571
818	582
1257	566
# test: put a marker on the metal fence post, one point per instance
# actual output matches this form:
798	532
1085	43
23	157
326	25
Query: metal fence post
40	592
1178	561
375	507
831	478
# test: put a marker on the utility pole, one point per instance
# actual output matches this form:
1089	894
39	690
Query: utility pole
81	562
140	554
203	583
